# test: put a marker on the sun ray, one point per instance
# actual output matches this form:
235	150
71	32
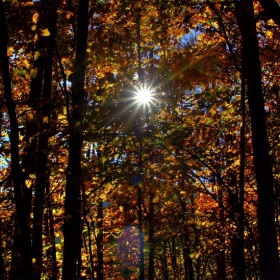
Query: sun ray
144	95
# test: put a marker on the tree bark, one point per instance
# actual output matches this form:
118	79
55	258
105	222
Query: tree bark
73	181
52	234
151	234
49	14
23	227
241	271
99	241
268	253
221	255
2	264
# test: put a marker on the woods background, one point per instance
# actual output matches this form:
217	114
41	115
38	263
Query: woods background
95	185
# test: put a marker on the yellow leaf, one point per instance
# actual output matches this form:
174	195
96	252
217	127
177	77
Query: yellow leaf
156	199
108	185
33	27
35	17
33	73
32	175
104	159
36	38
29	117
28	183
168	158
36	55
45	119
28	4
45	32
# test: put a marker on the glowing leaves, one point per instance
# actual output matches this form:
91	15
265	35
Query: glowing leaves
33	73
35	17
45	32
36	55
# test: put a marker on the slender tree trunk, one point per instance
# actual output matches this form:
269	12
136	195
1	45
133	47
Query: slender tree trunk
73	185
139	211
85	213
173	255
2	264
241	275
99	241
21	217
221	256
164	262
141	239
49	14
188	263
52	234
268	253
151	235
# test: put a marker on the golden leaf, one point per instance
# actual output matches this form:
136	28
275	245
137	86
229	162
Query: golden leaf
35	17
33	73
28	183
156	199
36	55
45	32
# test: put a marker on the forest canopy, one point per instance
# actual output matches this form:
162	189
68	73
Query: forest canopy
139	139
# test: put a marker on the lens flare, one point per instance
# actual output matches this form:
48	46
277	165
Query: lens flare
144	95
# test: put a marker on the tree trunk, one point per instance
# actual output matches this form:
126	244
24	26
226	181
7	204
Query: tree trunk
221	256
241	275
21	217
151	235
99	241
164	262
41	171
269	260
85	213
140	230
73	181
2	264
52	234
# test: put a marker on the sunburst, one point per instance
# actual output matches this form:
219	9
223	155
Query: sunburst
144	95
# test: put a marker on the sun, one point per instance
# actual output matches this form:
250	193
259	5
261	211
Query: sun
144	95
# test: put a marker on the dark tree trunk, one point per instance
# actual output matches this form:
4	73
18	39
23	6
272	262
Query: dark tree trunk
2	265
221	256
21	217
50	15
164	262
52	235
268	253
173	255
241	275
99	241
139	211
73	185
188	263
85	213
151	236
140	230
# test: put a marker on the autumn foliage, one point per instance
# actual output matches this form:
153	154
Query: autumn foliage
95	184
